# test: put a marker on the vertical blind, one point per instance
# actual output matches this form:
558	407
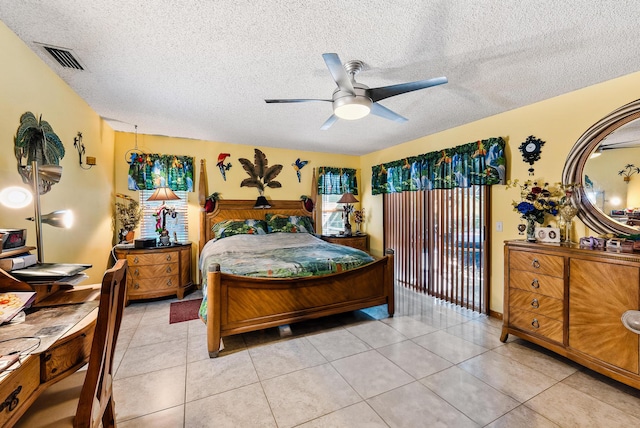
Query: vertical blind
440	243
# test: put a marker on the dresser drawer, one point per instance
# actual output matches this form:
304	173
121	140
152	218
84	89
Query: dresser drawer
536	303
153	284
152	258
536	323
537	283
153	271
17	387
543	264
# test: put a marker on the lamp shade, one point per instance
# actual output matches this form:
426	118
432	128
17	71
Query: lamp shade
163	194
50	173
62	218
262	203
15	197
347	198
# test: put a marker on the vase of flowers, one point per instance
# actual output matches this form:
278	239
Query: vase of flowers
536	202
128	215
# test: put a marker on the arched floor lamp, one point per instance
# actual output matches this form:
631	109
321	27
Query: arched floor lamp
18	197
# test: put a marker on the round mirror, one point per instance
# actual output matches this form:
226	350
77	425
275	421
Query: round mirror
605	163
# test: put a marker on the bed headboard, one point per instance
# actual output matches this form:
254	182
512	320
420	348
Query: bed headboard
228	209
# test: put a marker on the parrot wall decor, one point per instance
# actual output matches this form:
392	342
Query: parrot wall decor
297	166
223	167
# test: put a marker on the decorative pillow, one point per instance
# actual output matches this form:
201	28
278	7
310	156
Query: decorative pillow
291	224
228	228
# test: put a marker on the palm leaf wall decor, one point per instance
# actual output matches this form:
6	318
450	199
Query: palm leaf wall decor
36	141
260	174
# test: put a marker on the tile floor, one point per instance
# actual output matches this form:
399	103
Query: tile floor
432	364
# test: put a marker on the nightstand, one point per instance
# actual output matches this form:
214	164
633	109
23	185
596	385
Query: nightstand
361	242
157	271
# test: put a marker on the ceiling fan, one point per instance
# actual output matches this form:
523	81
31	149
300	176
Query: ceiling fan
352	100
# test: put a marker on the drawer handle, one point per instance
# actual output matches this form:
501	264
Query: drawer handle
535	283
535	323
11	402
136	286
535	304
135	259
169	283
136	272
168	269
535	263
168	257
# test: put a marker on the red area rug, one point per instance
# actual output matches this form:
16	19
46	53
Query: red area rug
186	310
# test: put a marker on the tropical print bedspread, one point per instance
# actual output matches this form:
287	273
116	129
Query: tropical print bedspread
277	255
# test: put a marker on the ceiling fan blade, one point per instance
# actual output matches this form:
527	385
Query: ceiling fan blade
382	111
377	94
332	119
299	100
338	72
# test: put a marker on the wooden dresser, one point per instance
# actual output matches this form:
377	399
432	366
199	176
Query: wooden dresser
157	271
570	300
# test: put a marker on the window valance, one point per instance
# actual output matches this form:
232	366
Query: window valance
336	181
481	162
148	171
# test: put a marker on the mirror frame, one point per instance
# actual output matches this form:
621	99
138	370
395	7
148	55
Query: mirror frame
573	172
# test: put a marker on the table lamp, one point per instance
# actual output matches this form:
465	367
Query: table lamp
348	200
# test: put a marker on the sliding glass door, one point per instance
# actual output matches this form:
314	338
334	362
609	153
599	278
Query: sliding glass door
441	243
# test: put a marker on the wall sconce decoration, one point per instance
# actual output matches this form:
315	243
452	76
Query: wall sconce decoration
628	171
531	149
77	143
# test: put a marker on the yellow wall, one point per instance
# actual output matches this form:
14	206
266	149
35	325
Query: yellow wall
559	122
27	84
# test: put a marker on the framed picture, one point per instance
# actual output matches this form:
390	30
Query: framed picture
547	234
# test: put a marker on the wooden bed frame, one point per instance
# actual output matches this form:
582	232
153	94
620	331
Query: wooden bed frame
238	304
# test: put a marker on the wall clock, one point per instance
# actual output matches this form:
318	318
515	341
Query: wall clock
531	149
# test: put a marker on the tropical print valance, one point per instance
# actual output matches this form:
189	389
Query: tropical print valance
148	171
336	181
481	162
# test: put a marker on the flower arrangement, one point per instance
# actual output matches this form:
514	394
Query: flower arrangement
128	213
537	201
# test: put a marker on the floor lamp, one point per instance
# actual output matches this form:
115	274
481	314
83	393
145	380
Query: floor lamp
52	174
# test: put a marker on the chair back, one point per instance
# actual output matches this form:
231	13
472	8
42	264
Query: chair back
96	402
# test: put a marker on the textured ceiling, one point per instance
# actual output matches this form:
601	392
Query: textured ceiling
202	69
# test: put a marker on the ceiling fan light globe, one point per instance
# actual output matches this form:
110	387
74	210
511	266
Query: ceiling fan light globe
352	107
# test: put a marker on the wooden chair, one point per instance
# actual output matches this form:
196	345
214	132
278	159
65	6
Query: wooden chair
85	399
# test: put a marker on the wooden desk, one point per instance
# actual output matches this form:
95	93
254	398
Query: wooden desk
65	327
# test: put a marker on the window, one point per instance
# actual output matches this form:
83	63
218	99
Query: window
332	183
177	225
332	222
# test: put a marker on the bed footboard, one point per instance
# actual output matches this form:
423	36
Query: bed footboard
241	304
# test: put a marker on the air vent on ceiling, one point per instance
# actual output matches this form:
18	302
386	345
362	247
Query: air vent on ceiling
63	56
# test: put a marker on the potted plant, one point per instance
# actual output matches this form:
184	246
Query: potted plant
128	215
